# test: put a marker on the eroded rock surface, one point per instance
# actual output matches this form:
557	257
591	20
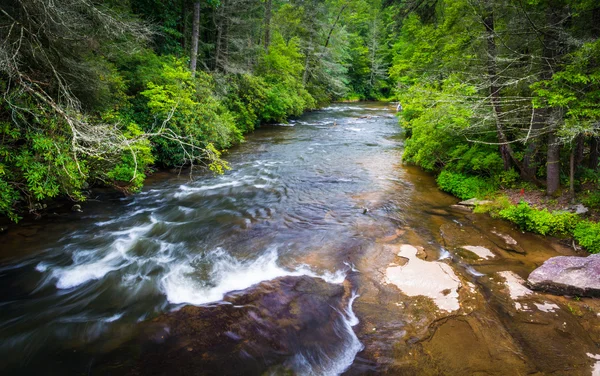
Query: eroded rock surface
568	275
474	202
433	279
291	325
481	252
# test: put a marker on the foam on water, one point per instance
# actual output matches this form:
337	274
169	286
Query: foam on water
183	285
323	364
444	254
88	267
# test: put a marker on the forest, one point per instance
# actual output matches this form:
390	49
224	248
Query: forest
495	94
102	92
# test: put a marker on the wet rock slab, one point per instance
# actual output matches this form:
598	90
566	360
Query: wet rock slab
433	279
291	325
568	275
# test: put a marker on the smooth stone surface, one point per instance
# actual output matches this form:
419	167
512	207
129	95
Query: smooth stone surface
462	208
276	327
516	288
481	252
546	307
568	275
509	240
474	202
509	243
580	209
433	279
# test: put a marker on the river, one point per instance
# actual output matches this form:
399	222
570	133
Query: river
319	253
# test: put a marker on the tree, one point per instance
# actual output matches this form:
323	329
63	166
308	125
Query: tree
195	38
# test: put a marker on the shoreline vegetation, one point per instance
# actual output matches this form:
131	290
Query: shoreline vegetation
495	96
500	101
98	94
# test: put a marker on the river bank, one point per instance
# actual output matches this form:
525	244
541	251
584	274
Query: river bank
319	252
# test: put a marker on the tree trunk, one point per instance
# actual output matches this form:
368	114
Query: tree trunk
373	54
225	36
267	40
572	174
553	163
579	150
195	38
219	42
530	158
553	158
334	25
594	153
495	89
183	25
306	64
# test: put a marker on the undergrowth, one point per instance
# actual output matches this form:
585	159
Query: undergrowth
544	222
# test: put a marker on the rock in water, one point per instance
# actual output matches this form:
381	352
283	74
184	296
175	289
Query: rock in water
290	325
474	202
568	275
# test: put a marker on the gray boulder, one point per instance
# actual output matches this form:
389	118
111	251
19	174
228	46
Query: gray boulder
568	275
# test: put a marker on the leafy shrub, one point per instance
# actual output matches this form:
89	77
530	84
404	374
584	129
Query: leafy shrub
494	206
129	171
540	221
37	162
198	116
507	179
463	186
475	159
592	199
588	235
246	98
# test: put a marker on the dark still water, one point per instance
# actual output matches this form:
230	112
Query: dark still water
276	267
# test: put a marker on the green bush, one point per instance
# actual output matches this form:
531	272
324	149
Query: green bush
592	199
587	234
246	98
462	186
540	221
196	115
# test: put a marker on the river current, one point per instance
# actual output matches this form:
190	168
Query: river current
276	267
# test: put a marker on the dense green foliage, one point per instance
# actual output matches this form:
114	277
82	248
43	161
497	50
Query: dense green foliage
500	94
588	235
493	86
540	221
544	222
463	186
495	94
100	92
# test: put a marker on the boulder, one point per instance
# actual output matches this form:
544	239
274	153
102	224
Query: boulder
579	209
568	275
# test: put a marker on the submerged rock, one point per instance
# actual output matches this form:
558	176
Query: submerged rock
509	243
481	252
462	208
290	325
568	275
516	288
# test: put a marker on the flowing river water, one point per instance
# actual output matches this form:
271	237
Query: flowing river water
319	253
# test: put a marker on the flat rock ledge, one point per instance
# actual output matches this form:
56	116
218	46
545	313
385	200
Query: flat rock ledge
568	275
474	202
